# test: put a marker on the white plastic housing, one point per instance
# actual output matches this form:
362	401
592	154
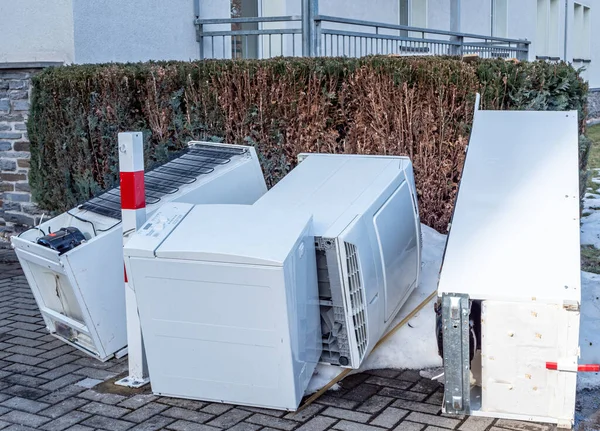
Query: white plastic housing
367	229
228	303
81	293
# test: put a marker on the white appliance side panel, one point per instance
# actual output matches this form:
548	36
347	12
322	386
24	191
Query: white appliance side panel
38	270
410	178
304	318
517	340
215	331
97	272
329	187
57	295
515	229
53	285
398	247
242	184
387	240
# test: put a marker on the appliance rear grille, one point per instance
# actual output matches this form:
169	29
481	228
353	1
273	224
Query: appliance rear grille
197	160
357	299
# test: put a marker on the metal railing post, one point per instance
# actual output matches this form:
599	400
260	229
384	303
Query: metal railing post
317	41
523	55
315	31
200	39
306	25
457	49
315	28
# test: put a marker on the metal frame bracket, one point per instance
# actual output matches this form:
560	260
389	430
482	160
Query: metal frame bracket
455	321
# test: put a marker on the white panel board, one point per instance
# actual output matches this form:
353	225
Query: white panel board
515	229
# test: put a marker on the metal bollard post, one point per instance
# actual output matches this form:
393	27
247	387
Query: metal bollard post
133	216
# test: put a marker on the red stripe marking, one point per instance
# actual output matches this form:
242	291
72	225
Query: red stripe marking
591	368
594	368
125	272
132	190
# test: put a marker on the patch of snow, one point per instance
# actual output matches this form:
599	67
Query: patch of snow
589	331
590	227
419	333
323	375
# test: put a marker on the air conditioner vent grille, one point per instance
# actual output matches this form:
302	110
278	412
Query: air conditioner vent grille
357	299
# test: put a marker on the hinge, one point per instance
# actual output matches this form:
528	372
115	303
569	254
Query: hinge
571	305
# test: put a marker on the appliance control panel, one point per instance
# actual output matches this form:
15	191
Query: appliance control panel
151	235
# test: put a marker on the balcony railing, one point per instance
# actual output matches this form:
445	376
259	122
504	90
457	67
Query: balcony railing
321	35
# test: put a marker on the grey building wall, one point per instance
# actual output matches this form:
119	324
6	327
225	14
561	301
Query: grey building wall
134	30
36	30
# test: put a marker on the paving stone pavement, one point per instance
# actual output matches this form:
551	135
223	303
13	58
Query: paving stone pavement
47	385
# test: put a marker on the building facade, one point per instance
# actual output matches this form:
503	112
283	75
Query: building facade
45	33
81	31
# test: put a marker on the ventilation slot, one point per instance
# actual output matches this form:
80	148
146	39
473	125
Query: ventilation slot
357	299
334	330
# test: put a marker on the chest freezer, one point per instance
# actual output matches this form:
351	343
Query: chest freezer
509	285
228	303
79	285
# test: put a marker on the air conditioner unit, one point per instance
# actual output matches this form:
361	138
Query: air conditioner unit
76	274
367	240
509	287
228	302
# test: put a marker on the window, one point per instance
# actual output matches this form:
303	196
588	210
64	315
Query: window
581	32
418	13
404	8
499	18
413	13
546	40
244	46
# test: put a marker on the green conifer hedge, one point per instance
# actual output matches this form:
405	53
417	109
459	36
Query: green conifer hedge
416	106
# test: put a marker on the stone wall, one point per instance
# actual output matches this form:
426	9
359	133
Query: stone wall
16	207
594	104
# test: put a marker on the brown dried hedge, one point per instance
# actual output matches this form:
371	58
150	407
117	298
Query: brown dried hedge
416	106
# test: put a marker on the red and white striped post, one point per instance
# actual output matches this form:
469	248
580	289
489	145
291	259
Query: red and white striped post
133	216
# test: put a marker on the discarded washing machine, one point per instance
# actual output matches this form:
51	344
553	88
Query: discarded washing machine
228	302
74	262
509	287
